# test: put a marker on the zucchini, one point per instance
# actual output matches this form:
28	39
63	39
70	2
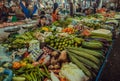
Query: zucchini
86	61
91	52
108	39
92	45
80	65
18	78
101	35
87	56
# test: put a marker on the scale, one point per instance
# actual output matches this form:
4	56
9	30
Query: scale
13	31
27	28
29	25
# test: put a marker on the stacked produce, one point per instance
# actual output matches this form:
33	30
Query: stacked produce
85	59
25	71
92	25
20	41
61	42
70	50
102	33
68	30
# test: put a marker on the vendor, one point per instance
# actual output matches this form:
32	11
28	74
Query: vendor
3	13
42	13
102	10
78	8
28	10
12	14
48	16
55	14
86	12
42	21
94	7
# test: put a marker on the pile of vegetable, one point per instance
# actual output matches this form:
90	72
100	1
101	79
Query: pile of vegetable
60	43
70	50
85	59
26	70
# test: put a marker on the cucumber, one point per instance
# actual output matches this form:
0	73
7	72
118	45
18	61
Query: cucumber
86	61
108	39
101	35
92	45
87	56
29	35
18	78
80	65
91	52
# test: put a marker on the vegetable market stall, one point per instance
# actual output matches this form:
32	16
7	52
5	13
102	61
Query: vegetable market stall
70	50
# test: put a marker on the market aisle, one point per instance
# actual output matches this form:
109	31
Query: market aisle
111	71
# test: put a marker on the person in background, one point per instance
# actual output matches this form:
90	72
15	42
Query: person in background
102	10
4	13
42	13
28	11
112	6
86	12
12	14
42	21
19	13
79	8
71	9
55	14
1	5
118	9
91	10
94	7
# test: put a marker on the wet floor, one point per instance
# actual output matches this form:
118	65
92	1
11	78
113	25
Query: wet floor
111	71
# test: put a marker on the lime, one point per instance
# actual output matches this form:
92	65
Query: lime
60	43
52	45
47	40
66	45
61	49
57	44
63	43
55	47
52	37
69	45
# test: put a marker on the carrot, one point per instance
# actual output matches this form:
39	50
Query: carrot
86	32
45	79
62	79
41	60
55	71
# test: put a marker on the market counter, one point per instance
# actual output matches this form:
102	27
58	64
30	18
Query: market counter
5	31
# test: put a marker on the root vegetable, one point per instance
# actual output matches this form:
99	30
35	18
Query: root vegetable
54	53
51	67
62	79
35	63
63	56
56	71
57	66
53	61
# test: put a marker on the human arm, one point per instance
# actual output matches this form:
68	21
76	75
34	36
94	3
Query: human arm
25	10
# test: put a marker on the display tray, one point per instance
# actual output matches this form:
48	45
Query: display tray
104	63
117	18
12	29
107	54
